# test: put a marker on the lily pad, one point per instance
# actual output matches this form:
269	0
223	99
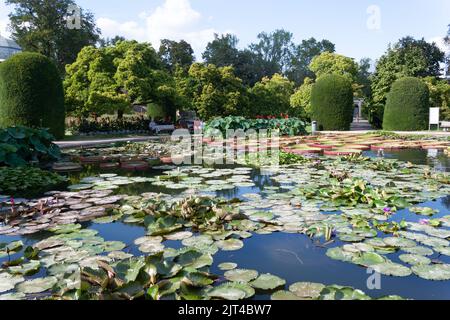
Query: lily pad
226	266
392	269
414	259
307	289
230	244
241	275
267	282
37	285
436	272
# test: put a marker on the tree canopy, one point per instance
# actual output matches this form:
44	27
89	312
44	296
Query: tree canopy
175	54
111	79
41	26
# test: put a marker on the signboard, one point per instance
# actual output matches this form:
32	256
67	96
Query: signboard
434	117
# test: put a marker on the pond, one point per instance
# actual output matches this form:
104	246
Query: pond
293	257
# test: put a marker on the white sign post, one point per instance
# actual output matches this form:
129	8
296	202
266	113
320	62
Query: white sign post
434	117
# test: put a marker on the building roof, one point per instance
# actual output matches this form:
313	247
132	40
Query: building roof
8	48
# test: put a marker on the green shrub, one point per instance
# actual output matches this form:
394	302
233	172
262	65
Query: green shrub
332	103
21	145
31	93
407	106
16	181
155	111
288	126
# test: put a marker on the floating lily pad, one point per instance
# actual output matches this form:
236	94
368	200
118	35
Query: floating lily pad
307	289
284	296
241	275
414	259
267	282
230	244
226	266
8	281
37	285
227	292
392	269
437	272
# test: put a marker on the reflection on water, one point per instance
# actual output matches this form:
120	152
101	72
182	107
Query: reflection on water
293	257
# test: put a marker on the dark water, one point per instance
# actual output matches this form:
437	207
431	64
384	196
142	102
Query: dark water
294	257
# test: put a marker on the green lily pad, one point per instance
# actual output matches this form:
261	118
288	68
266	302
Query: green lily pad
37	285
424	211
436	272
8	281
307	289
284	296
241	275
368	259
230	244
399	242
267	282
226	266
227	292
423	251
392	269
414	259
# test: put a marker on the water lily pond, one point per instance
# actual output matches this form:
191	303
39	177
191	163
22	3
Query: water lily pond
310	230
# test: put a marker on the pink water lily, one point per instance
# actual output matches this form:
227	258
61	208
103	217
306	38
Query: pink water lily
424	222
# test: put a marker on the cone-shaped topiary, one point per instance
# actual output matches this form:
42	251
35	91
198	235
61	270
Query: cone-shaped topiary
332	103
407	106
31	93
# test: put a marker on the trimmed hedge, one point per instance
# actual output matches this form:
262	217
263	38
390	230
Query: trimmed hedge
31	93
332	103
407	106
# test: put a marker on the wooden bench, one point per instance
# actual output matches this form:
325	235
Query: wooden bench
445	125
161	128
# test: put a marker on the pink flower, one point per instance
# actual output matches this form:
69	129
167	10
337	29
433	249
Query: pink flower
424	222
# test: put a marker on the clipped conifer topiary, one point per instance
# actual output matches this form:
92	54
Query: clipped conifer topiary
332	103
31	93
407	106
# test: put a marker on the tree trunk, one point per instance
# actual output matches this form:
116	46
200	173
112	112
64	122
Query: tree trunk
120	114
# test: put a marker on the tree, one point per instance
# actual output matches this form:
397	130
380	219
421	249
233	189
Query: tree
363	77
332	63
407	58
407	105
275	49
41	26
332	102
31	93
439	95
111	79
301	100
223	51
302	57
213	91
176	54
110	41
271	96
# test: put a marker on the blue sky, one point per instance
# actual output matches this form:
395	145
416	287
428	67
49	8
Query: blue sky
344	22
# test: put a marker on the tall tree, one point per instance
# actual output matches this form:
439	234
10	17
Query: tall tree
332	63
363	77
111	79
175	54
223	51
42	26
271	96
107	42
276	50
407	58
213	91
304	53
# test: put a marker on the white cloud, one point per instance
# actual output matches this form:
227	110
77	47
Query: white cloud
440	42
174	19
4	20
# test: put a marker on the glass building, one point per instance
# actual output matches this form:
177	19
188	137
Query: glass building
8	48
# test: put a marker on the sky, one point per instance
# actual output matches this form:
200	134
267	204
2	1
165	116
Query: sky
359	28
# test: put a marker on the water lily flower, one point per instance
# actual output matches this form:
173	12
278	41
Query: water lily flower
424	222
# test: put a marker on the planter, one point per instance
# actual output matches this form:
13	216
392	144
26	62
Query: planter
109	165
134	165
